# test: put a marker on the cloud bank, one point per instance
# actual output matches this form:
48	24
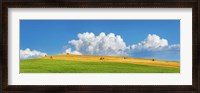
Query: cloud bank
154	43
102	44
90	44
28	54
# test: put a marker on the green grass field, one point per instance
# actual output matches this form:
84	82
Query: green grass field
67	66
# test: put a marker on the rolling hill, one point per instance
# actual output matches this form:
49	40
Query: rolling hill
68	63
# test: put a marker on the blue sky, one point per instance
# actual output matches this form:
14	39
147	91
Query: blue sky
51	36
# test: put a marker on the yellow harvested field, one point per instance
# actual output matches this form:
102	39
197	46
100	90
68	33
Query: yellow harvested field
120	59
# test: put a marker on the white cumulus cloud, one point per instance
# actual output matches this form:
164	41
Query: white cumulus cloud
69	50
102	44
27	54
154	42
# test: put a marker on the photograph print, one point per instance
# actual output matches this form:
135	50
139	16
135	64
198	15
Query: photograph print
99	46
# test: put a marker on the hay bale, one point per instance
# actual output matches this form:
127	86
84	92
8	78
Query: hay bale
101	58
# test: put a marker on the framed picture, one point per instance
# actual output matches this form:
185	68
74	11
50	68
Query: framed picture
100	46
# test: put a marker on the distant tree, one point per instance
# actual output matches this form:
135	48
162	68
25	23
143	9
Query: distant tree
153	59
51	57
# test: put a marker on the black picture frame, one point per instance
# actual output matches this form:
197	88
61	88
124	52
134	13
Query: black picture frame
194	88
